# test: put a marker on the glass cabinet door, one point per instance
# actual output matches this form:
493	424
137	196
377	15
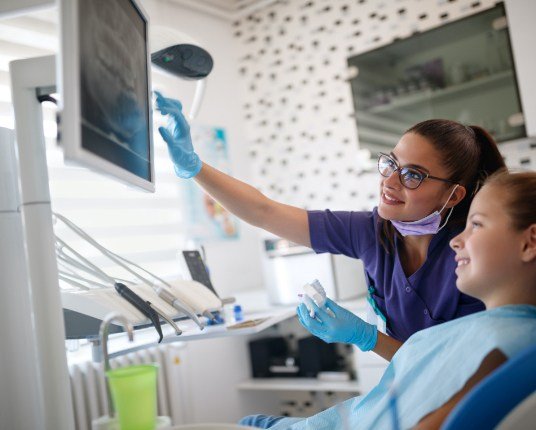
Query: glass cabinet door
462	71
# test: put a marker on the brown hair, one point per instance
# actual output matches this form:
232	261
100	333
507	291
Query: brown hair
470	155
520	194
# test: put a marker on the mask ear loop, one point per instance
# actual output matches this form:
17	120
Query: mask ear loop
451	209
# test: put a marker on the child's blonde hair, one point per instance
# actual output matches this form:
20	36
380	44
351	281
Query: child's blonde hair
520	192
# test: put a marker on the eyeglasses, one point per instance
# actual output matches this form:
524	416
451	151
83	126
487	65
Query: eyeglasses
409	177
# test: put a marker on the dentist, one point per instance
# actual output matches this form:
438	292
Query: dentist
426	185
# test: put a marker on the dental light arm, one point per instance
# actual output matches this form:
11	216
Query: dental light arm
198	98
179	55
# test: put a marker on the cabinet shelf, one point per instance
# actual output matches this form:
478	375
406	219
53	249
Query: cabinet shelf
298	384
423	96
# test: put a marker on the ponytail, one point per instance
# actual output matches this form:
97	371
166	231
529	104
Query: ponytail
490	161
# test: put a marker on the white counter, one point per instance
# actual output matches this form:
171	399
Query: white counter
255	305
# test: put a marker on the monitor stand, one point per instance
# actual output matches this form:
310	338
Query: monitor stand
45	315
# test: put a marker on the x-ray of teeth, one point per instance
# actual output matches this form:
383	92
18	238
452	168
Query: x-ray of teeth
114	83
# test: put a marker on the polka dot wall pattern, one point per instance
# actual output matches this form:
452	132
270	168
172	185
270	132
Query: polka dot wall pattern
298	111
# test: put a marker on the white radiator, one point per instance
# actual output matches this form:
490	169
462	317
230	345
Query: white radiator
89	390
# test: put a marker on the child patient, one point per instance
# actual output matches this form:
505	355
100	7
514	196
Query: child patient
436	367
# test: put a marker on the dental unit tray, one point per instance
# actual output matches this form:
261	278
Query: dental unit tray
144	301
84	310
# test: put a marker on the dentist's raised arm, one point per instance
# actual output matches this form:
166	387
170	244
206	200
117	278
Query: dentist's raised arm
243	200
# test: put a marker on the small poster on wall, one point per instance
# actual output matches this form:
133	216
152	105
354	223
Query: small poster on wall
206	219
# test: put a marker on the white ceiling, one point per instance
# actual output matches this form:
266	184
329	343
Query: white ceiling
227	9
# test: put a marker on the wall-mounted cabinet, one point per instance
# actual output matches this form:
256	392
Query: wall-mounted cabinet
463	71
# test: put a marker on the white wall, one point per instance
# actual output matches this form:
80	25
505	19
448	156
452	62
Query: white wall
298	111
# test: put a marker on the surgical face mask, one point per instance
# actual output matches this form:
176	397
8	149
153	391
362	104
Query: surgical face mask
427	225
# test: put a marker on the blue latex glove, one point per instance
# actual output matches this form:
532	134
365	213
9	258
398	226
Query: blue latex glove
345	327
177	136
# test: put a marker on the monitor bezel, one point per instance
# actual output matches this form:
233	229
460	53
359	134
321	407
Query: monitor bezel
70	100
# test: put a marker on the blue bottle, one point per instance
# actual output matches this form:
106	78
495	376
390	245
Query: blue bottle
237	311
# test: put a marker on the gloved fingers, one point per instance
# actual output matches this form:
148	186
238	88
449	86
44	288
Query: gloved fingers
168	106
169	109
299	317
301	311
182	123
303	324
320	311
309	304
166	135
309	323
334	307
162	101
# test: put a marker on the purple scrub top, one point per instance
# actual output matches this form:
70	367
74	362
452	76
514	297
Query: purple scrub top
428	297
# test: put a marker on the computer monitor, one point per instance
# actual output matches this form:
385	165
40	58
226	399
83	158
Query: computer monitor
106	119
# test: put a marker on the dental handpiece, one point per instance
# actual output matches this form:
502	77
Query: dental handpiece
166	318
170	299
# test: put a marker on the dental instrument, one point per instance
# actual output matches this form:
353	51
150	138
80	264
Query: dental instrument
69	256
141	305
164	292
148	308
169	298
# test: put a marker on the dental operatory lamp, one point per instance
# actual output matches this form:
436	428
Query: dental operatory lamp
177	54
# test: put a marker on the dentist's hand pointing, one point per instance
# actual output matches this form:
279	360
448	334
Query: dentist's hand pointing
177	136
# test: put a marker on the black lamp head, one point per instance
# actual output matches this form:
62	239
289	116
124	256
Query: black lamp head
184	60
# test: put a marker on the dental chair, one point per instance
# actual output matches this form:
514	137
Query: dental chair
505	400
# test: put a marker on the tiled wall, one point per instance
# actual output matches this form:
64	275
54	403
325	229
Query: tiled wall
298	112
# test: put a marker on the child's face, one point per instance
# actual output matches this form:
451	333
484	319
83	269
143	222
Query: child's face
488	250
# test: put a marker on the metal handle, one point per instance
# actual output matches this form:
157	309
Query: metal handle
103	334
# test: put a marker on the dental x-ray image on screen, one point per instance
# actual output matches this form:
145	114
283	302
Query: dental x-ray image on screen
115	113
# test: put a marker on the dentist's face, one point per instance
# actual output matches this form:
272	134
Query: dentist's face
488	250
400	203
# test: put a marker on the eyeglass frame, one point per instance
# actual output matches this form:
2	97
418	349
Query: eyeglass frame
399	169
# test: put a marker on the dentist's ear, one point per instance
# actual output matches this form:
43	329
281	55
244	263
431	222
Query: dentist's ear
457	196
528	253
